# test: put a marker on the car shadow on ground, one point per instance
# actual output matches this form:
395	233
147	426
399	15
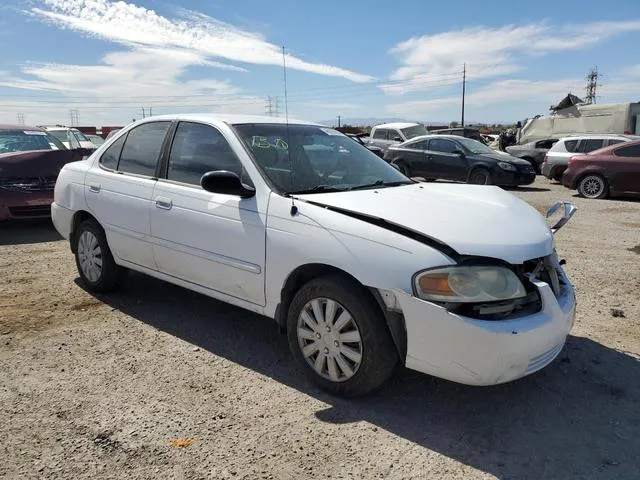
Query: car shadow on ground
630	200
526	189
580	416
28	231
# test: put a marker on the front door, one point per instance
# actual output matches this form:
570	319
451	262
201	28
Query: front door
213	240
119	188
447	162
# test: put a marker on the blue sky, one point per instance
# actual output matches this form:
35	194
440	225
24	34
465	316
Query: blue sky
109	59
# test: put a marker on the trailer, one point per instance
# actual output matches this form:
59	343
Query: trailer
617	118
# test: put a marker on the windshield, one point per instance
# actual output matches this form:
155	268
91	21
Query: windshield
27	140
60	135
475	146
308	159
416	131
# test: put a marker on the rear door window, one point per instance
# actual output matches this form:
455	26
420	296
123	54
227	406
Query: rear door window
590	144
630	151
380	134
419	145
614	141
142	149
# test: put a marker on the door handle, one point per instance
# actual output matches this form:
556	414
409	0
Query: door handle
94	187
164	203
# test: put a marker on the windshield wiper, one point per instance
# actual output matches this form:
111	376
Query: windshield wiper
380	183
317	189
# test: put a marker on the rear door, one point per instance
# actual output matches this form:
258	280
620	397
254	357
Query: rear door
414	154
119	188
444	162
624	171
380	138
213	240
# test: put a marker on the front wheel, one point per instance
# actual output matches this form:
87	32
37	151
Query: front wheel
593	186
96	266
339	336
480	176
404	168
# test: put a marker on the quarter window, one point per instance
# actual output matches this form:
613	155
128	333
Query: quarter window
442	145
571	145
142	149
198	149
380	134
110	157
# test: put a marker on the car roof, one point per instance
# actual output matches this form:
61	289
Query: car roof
7	127
611	148
232	119
397	125
580	136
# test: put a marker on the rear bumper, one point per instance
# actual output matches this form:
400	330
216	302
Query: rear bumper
480	352
17	205
569	179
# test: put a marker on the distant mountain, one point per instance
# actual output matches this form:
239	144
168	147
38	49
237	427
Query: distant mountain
370	121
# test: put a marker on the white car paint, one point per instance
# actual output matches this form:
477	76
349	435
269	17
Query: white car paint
242	251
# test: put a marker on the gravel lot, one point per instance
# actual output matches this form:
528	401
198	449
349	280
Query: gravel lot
98	387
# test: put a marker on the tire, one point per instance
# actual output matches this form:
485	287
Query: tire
97	269
593	186
480	176
404	168
370	358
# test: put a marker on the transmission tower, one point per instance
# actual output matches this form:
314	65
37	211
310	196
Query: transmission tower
21	119
592	85
268	107
276	107
73	113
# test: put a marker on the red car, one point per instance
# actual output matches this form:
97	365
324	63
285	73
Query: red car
614	171
30	159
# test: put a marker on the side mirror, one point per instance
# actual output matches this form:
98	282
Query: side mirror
460	153
227	183
397	139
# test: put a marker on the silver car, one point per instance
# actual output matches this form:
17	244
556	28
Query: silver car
388	134
557	158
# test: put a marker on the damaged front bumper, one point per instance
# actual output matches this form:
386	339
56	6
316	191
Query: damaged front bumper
487	352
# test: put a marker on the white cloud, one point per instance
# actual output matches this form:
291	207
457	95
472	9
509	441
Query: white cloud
489	52
129	24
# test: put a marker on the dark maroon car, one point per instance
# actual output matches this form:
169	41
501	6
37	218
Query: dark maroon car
614	171
30	160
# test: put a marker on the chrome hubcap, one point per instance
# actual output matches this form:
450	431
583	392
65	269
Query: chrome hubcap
90	256
592	186
329	339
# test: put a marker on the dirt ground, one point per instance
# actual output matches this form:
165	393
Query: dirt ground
99	387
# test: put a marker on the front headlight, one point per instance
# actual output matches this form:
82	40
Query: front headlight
507	166
469	284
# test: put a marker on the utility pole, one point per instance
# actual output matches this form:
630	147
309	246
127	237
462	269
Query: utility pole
464	86
21	119
339	121
592	85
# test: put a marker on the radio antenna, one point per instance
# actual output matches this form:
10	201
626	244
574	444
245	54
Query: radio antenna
294	209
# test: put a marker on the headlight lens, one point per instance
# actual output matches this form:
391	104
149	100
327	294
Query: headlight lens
507	166
469	284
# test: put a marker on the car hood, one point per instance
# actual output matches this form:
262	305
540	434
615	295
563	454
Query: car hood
472	219
35	163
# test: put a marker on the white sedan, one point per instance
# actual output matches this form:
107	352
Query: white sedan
362	267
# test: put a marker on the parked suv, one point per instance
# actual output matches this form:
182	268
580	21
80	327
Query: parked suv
388	134
556	160
362	267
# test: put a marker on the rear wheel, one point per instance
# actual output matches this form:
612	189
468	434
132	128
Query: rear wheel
593	186
480	176
404	168
96	266
339	336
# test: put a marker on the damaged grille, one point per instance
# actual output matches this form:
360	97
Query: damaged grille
29	184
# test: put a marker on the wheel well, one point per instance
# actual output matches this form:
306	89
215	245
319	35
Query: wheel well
79	217
305	273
